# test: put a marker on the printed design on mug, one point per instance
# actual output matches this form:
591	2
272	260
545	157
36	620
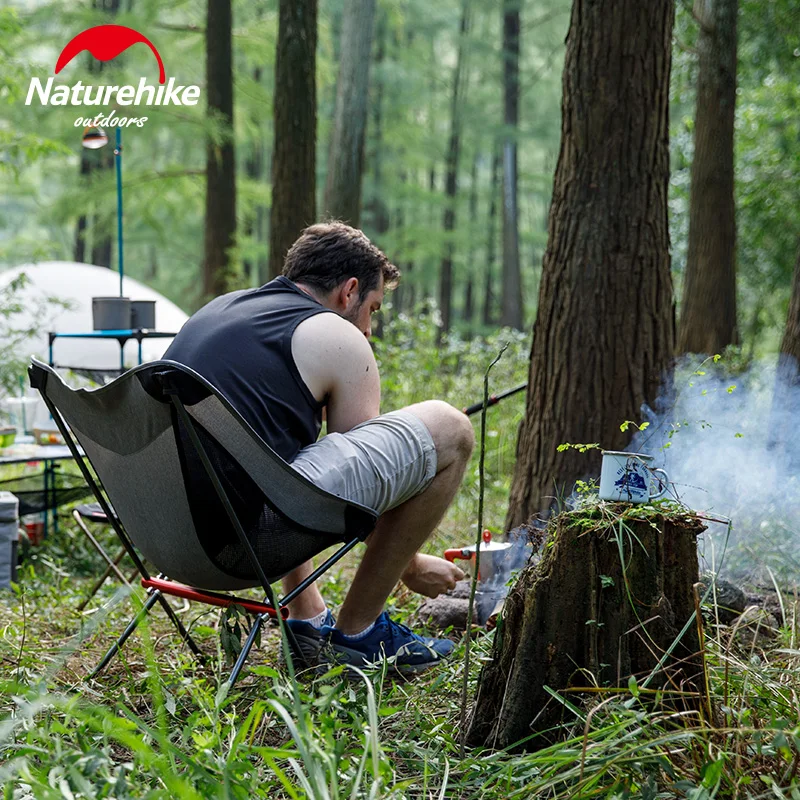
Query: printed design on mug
630	480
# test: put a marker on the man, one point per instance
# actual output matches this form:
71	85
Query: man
286	351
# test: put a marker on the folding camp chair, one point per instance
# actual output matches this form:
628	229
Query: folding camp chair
197	492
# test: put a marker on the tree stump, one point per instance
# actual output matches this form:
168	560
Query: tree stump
610	596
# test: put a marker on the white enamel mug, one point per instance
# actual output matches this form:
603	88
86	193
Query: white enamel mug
629	478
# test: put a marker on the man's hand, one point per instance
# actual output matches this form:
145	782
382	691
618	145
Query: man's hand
431	575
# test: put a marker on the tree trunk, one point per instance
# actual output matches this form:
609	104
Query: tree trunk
254	169
295	114
488	295
468	312
512	307
786	395
605	329
708	307
377	204
451	173
604	604
220	219
343	185
790	345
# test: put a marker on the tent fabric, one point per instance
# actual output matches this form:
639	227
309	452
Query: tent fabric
76	284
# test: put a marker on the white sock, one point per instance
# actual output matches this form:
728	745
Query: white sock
319	620
360	635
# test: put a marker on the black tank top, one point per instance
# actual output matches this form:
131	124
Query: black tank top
242	344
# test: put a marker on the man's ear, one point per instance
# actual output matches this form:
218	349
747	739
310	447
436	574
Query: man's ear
349	291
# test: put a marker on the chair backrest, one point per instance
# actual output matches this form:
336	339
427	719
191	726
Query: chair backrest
133	438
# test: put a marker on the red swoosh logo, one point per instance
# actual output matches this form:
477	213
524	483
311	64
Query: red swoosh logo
105	42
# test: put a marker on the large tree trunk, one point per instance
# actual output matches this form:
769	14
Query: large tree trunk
708	308
512	307
605	603
220	220
343	185
451	172
295	114
605	330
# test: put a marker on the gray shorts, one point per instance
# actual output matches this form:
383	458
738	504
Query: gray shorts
380	463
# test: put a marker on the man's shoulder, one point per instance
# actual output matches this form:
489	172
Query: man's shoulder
329	340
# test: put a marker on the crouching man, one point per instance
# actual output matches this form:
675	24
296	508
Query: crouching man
284	353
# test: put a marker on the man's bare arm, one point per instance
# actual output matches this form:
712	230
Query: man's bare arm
335	361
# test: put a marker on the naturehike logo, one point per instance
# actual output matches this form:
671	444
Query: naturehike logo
106	42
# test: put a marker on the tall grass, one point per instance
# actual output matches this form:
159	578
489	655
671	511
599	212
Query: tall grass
156	724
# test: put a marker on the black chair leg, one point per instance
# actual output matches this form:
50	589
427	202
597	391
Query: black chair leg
185	635
132	625
251	637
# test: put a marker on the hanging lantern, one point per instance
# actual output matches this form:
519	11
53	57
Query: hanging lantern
94	138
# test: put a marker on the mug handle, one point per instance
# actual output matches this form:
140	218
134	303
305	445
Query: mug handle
664	484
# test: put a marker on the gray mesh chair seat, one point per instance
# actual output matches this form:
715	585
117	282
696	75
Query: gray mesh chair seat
193	487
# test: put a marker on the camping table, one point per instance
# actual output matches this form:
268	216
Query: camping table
50	455
122	336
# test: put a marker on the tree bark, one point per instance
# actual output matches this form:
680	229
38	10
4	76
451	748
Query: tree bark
468	311
254	266
345	163
295	115
786	395
604	604
512	306
488	295
220	218
790	345
708	307
451	173
605	331
377	204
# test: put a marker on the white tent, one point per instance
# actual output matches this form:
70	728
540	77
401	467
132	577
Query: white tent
77	284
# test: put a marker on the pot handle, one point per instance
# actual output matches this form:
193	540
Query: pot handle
663	482
452	555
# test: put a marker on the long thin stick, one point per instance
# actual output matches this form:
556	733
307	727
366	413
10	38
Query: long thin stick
477	564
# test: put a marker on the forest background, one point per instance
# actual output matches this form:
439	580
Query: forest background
455	89
58	201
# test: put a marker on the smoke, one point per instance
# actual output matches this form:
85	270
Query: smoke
731	446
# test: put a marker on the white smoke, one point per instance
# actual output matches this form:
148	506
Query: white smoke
732	450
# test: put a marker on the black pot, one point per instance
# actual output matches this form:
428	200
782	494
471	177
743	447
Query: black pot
111	313
143	314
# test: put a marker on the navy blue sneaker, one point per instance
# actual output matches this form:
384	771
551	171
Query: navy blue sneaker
406	652
309	640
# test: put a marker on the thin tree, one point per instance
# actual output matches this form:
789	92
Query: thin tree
512	305
295	117
491	246
786	396
345	162
790	344
451	170
708	307
220	218
604	335
254	167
